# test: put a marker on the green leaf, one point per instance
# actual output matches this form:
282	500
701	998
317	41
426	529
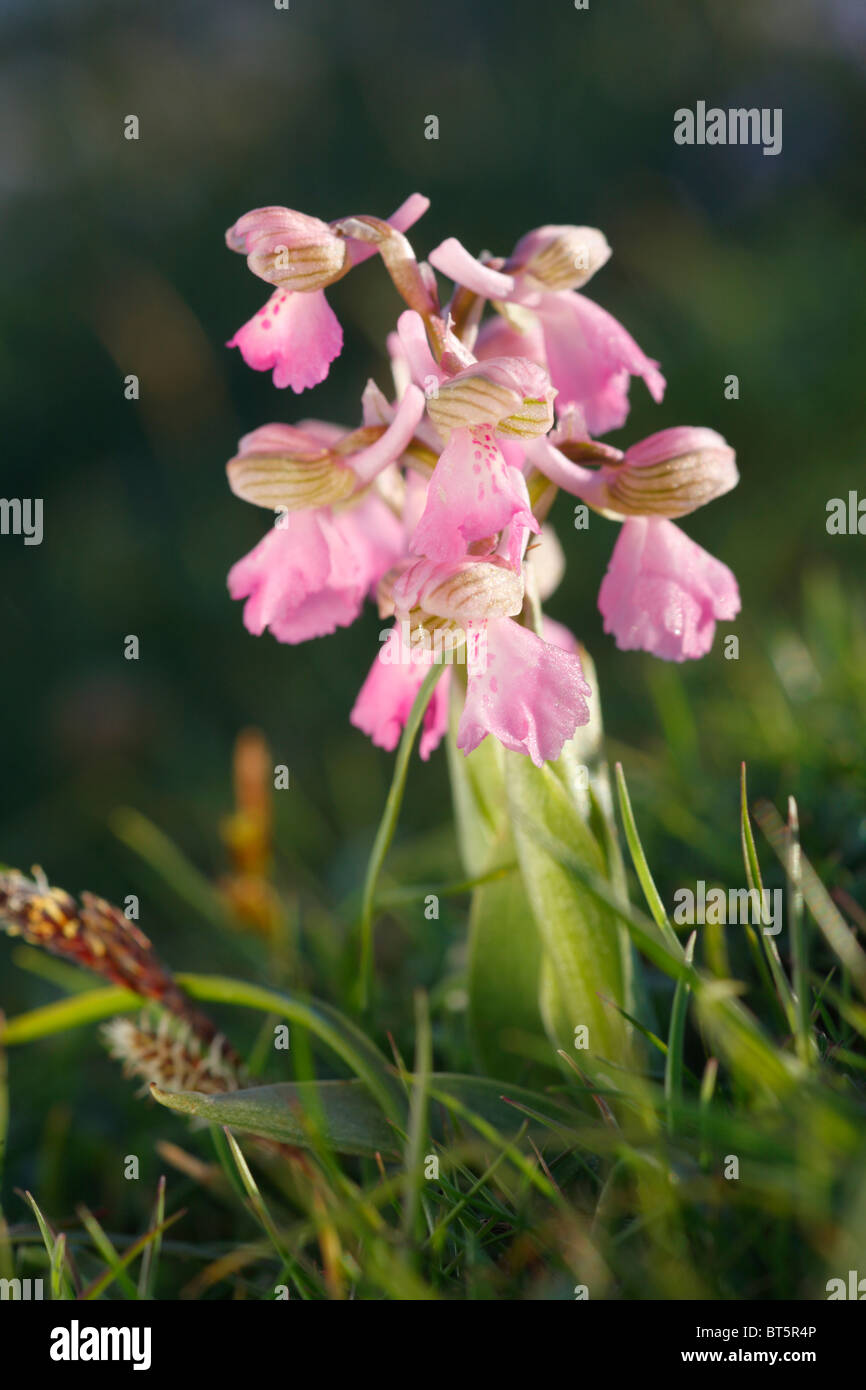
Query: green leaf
582	941
479	796
346	1115
504	965
504	945
338	1033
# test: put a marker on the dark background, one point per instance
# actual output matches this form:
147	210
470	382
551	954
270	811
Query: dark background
725	261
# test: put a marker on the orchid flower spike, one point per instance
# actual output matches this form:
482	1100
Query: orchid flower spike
436	506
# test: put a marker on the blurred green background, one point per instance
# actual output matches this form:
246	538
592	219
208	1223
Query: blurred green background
725	261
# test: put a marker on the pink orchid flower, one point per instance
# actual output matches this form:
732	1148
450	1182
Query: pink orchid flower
478	488
388	693
591	359
558	635
663	593
474	494
311	576
499	338
297	332
429	503
530	694
294	468
298	335
589	355
668	474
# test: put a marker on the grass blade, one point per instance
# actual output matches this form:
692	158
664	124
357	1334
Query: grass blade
107	1251
105	1280
837	933
754	881
641	867
417	1116
676	1040
89	1007
150	1259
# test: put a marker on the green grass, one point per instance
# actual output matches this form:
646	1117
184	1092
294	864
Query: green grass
724	1157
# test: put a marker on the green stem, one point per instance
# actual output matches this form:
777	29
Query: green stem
387	827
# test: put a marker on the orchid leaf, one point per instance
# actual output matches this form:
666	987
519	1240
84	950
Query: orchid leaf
348	1118
582	941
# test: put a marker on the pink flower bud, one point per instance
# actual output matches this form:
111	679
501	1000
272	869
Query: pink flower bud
315	466
279	466
671	473
289	249
467	592
559	258
511	393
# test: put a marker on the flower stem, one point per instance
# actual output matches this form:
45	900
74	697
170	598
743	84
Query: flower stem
387	826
